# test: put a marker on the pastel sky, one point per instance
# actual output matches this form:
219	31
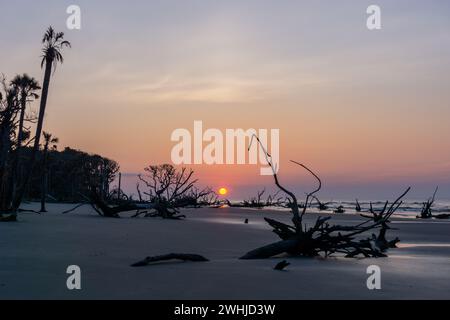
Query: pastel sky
368	110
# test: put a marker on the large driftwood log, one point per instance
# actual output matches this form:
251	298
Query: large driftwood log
281	265
103	209
171	256
272	250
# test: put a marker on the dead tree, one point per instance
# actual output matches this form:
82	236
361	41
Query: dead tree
169	190
358	206
258	202
377	215
107	211
322	206
426	212
274	200
339	209
323	238
197	198
255	202
207	197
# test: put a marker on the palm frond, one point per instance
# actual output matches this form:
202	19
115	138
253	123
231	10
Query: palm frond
53	44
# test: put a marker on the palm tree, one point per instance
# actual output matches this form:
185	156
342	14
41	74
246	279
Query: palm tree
48	139
53	44
8	113
26	86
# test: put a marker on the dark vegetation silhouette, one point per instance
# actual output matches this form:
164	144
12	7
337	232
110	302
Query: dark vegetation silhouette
62	176
322	206
70	175
17	159
53	44
272	200
358	207
427	209
167	190
340	209
26	89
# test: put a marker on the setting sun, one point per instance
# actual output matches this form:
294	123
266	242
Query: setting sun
223	191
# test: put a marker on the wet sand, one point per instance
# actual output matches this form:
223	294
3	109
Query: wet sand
35	252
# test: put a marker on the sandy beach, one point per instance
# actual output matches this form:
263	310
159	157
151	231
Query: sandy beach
35	252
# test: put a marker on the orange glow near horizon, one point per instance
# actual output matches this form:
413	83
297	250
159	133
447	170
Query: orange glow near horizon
223	191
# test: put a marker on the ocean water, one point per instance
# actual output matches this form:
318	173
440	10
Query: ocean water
409	208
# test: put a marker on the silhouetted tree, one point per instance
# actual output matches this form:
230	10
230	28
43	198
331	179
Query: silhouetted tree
71	174
9	109
53	44
426	212
324	238
169	189
26	87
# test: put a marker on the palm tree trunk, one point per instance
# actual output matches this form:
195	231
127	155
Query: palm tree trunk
29	169
23	105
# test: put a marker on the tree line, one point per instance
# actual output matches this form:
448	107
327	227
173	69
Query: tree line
68	175
31	167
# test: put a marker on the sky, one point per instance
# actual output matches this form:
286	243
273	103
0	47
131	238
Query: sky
367	110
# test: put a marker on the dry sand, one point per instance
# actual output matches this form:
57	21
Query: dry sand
35	252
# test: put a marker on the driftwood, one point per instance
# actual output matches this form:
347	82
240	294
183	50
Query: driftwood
257	201
324	238
322	206
8	218
426	212
171	256
104	210
74	208
163	210
282	265
339	210
170	189
358	206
